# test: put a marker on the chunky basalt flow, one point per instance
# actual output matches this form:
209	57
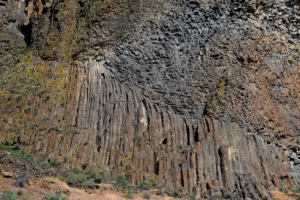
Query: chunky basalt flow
117	130
203	95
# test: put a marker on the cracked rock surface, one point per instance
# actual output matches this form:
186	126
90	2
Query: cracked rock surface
204	94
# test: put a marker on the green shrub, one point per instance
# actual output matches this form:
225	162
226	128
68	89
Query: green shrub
84	179
296	190
3	147
76	179
74	170
222	84
221	89
54	163
51	163
9	195
55	196
176	193
193	196
22	155
154	180
283	189
98	177
62	179
128	194
46	164
121	180
146	185
88	184
20	192
159	192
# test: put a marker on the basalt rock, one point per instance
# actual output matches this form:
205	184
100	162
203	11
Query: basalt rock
202	94
11	38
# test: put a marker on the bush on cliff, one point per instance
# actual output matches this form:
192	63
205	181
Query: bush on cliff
22	155
176	193
121	181
146	185
51	163
87	179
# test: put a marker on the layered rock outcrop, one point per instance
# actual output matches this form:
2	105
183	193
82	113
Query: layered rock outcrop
203	94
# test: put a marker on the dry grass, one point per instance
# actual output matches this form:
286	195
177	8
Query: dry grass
277	195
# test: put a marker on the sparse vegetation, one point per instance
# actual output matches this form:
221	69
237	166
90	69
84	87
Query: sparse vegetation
79	180
193	196
283	190
22	155
176	193
296	190
62	179
145	185
20	192
221	84
20	182
154	180
121	181
51	163
77	31
98	177
3	147
55	196
128	194
221	89
87	179
159	192
31	80
9	195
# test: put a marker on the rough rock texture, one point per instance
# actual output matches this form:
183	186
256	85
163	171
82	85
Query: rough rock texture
204	94
15	167
11	40
136	137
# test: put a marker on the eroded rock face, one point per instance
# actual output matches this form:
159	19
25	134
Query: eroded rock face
136	137
204	94
11	38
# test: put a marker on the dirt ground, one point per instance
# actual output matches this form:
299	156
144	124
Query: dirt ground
40	181
38	188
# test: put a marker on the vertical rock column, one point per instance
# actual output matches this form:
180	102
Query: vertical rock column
120	130
115	129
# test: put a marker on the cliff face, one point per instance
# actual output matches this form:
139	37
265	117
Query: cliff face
204	94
